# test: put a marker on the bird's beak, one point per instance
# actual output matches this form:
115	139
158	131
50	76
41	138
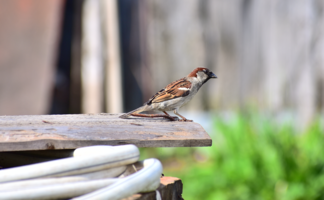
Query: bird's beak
211	75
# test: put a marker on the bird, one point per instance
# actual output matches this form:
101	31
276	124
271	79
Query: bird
173	96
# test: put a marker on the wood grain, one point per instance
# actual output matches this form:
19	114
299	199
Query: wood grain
170	188
44	132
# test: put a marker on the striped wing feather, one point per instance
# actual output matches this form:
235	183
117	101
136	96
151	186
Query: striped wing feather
171	91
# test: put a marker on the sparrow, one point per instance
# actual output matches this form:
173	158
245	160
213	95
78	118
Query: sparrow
174	95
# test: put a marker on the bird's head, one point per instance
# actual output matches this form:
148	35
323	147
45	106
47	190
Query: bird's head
202	74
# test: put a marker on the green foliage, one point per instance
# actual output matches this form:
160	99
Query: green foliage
251	158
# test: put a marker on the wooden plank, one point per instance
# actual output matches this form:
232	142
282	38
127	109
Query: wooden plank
43	132
170	188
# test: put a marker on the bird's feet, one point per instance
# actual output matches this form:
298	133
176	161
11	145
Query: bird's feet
185	120
171	118
174	118
179	120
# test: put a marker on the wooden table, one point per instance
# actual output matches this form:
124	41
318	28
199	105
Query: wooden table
49	132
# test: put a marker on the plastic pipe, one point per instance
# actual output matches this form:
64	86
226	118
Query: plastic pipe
34	183
116	156
18	185
105	170
87	160
57	191
145	180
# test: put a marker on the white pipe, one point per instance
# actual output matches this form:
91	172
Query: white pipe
116	156
88	151
26	184
103	174
147	179
111	172
37	183
144	180
57	191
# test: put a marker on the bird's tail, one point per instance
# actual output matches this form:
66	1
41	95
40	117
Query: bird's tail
138	110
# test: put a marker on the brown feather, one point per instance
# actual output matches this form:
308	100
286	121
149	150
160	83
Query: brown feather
194	72
171	91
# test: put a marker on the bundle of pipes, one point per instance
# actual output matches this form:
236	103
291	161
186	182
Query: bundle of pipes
96	172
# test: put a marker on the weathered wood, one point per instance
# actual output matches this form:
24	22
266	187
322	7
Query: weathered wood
170	188
41	132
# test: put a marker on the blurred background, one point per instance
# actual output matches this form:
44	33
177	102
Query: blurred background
264	112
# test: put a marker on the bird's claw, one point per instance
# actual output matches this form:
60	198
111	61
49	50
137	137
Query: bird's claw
185	120
171	118
175	118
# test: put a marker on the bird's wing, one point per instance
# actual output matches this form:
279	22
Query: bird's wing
176	89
